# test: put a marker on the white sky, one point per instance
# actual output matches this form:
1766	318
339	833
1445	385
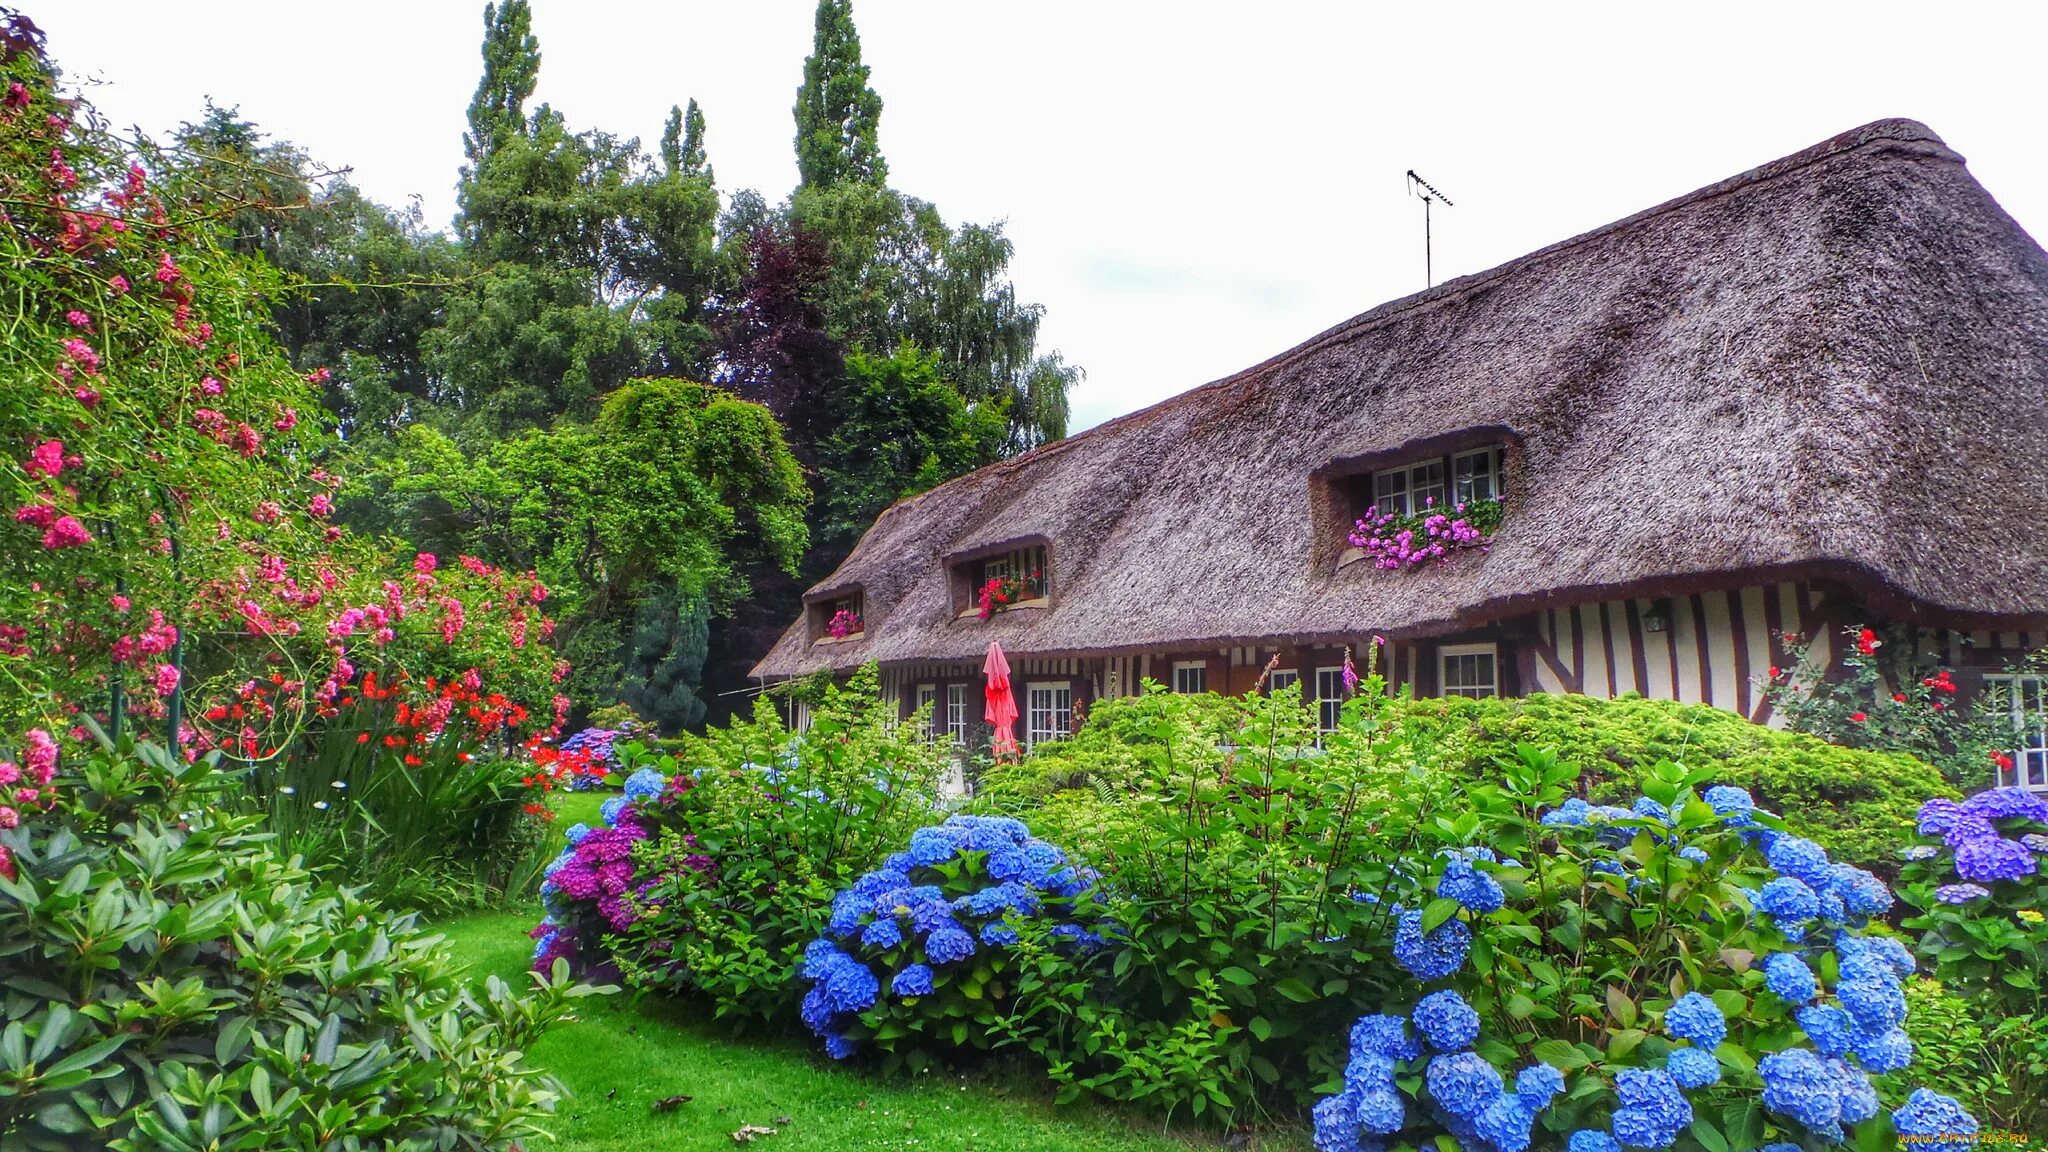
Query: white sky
1191	187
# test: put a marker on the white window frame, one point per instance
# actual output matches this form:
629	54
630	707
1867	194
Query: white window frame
1475	691
1199	667
1462	488
927	698
1416	485
2025	699
1057	713
1329	707
1283	680
956	713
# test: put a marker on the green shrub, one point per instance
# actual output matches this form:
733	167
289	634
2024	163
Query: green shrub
749	834
1117	745
1856	804
176	983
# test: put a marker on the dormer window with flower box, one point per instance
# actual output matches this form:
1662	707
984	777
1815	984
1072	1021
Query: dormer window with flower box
1013	578
1425	508
838	619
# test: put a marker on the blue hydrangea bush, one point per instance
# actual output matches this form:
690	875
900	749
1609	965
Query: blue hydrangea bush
1680	972
924	952
1975	881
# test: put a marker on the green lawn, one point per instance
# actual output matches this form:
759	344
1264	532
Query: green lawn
618	1060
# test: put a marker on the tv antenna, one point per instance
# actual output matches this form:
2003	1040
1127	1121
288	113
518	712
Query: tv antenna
1417	186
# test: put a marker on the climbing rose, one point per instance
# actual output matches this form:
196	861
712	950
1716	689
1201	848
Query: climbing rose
67	532
166	679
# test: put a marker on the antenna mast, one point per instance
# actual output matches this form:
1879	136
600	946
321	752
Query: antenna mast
1428	193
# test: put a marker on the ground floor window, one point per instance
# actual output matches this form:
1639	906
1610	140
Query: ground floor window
956	712
1283	680
1469	670
927	696
1048	713
1330	695
2025	700
1190	676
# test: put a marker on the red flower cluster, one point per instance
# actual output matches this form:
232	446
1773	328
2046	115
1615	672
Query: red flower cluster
1867	642
1002	591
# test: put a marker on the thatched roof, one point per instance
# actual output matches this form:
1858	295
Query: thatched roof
1833	366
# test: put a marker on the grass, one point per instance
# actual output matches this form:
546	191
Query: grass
617	1060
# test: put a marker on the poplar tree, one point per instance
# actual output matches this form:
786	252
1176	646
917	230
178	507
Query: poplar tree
682	144
836	112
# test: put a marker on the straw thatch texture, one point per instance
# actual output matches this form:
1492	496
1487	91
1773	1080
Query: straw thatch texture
1834	366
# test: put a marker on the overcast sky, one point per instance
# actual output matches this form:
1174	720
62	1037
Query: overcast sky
1191	187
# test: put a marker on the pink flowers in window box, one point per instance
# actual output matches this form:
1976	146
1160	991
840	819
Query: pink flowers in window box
1396	541
844	623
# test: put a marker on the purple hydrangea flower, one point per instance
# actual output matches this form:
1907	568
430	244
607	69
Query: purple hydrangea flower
1994	858
1960	893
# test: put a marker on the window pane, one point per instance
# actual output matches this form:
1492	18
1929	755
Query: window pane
1426	486
1473	477
1283	680
1390	493
1190	678
1329	697
1469	674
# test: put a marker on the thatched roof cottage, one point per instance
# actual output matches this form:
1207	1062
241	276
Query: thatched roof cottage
1814	393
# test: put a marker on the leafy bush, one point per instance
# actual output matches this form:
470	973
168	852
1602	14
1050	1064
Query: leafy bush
177	983
1885	692
735	846
1117	747
1975	880
1228	870
1668	966
1855	803
928	950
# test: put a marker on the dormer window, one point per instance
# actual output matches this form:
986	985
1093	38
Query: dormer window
1421	503
838	618
1015	577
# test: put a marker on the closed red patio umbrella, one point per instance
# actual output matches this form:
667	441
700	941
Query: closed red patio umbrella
1002	703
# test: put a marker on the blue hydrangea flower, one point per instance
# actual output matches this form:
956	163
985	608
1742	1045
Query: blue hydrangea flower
1888	1050
576	833
1855	1092
851	985
838	1046
1592	1140
1929	1113
1696	1018
1653	1110
1693	1067
1446	1021
1926	851
1967	828
848	908
1864	893
1788	977
1827	1026
1384	1036
1937	816
1470	887
1538	1084
1649	809
948	946
1436	955
2035	842
1960	893
997	934
900	862
645	784
2007	804
915	980
1875	1005
1788	902
1368	1070
1505	1124
1728	800
610	809
1696	855
1571	813
1886	948
1800	859
1379	1110
929	916
1462	1084
819	955
1990	859
930	847
882	934
1798	1086
879	881
1335	1120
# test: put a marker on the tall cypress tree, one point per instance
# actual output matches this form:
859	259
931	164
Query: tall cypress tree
836	112
511	65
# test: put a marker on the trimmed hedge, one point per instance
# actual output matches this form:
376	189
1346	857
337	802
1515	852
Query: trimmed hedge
1857	804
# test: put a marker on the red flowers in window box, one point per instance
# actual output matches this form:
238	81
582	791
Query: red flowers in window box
1002	591
844	623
